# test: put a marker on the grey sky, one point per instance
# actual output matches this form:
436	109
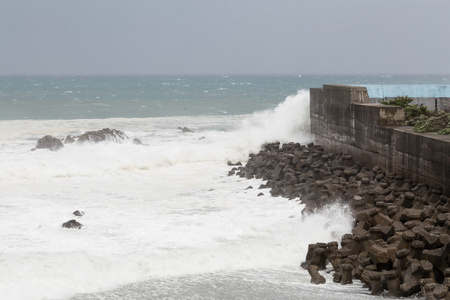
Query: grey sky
224	37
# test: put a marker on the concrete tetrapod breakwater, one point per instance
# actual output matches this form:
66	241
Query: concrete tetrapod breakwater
400	243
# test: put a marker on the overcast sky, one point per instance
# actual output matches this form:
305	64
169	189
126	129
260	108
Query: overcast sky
224	37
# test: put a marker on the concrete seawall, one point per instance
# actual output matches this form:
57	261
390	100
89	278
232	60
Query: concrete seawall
344	120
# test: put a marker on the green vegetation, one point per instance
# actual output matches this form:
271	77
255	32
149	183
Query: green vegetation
420	117
432	123
402	101
411	111
445	131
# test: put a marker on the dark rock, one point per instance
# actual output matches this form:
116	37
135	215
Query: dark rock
49	142
316	256
72	224
104	135
316	278
438	257
337	277
393	283
428	289
411	283
381	252
441	292
375	283
411	214
78	213
346	274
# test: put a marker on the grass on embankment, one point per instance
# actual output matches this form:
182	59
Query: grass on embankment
421	118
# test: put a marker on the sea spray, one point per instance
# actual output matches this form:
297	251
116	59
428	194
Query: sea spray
288	122
164	210
324	225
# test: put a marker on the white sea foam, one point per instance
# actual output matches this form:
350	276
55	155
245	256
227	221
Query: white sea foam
160	210
288	122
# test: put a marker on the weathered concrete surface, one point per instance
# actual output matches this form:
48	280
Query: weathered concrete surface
344	120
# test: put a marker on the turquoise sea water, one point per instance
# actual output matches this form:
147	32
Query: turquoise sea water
94	97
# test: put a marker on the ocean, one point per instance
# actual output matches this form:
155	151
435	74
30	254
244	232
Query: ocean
162	220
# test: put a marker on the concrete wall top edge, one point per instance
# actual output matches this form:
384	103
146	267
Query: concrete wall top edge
425	135
378	105
343	87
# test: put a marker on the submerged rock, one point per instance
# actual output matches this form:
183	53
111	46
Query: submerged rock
137	141
185	129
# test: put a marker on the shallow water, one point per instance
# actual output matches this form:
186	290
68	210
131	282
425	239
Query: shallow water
260	284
